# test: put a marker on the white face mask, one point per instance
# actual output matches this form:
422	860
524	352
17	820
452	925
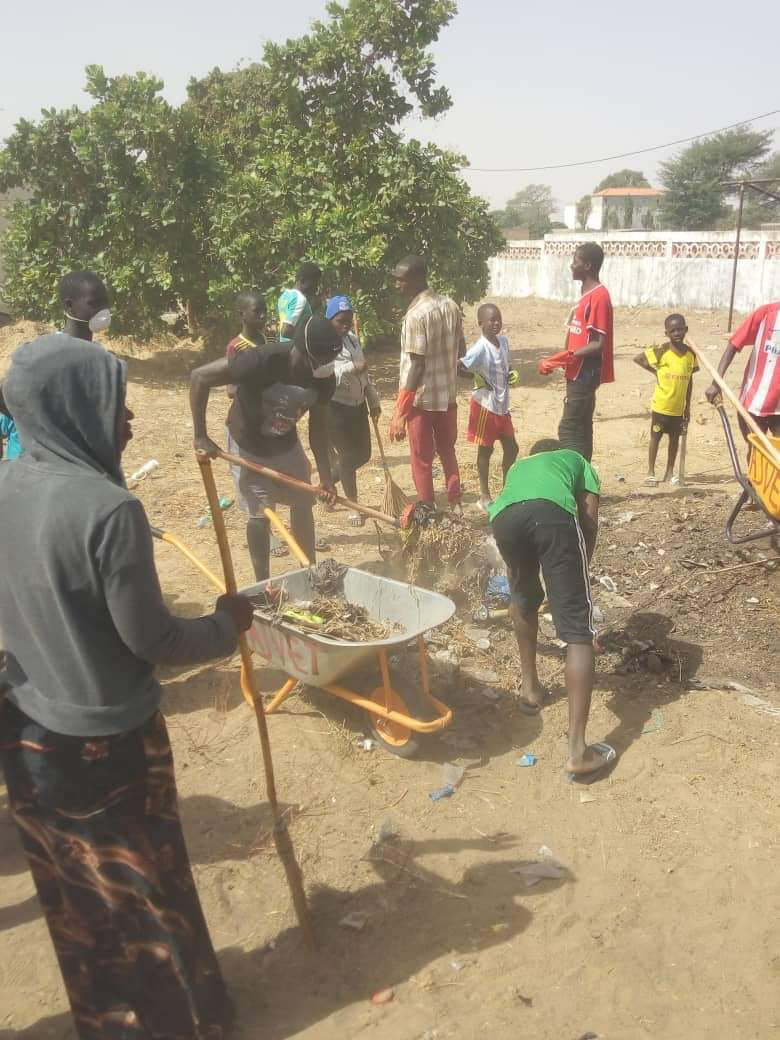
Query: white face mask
99	322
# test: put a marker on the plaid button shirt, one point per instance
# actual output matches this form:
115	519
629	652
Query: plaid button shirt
432	329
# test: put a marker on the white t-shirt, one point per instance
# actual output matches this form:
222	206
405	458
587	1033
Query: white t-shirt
492	363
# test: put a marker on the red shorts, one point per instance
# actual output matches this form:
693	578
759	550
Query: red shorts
485	427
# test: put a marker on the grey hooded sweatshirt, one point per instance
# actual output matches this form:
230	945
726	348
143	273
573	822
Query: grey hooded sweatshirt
82	616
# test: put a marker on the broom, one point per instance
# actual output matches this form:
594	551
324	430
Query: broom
395	501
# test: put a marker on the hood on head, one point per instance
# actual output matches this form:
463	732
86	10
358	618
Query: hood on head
317	339
67	398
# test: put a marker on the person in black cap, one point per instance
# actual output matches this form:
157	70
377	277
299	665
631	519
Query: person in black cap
276	385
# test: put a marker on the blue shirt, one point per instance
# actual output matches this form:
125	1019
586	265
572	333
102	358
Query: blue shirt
13	448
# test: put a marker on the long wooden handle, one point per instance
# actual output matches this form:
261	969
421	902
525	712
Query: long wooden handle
726	390
380	445
285	535
301	485
249	686
171	539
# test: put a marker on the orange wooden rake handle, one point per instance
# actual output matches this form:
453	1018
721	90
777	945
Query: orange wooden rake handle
301	485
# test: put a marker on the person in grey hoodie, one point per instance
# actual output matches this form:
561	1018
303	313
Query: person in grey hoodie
84	747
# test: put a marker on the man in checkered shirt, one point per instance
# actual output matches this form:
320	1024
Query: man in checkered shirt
431	341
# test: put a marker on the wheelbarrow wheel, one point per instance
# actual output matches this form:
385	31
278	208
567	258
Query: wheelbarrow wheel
393	737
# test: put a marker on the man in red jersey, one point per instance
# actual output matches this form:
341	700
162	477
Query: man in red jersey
587	359
760	393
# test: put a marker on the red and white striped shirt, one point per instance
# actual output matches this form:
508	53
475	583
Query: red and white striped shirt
760	392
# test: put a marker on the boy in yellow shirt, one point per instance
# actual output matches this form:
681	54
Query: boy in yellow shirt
673	365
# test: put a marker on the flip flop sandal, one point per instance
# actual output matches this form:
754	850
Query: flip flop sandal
652	481
608	755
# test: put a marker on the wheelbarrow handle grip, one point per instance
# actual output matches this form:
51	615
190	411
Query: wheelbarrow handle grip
300	485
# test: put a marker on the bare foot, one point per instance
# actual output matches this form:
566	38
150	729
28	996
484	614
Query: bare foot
593	758
531	701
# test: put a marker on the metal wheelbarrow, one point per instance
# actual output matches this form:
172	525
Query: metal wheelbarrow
761	486
396	719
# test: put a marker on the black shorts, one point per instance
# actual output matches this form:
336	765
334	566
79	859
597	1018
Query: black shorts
540	533
349	433
670	424
768	423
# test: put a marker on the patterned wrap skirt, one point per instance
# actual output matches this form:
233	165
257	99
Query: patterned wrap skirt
100	826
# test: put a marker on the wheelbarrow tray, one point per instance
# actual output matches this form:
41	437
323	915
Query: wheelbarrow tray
321	660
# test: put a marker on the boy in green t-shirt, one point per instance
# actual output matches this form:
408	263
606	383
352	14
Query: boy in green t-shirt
673	365
547	516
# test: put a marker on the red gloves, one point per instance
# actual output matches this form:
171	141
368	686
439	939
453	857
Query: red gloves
549	364
403	406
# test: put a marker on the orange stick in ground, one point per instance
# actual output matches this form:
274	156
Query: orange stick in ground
282	840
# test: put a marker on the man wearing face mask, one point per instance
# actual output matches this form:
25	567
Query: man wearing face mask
84	300
275	386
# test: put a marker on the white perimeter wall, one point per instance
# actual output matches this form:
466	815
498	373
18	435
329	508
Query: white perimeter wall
674	269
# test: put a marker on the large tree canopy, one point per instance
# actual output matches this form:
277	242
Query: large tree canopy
296	156
695	198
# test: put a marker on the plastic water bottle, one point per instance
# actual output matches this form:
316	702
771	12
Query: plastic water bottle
145	470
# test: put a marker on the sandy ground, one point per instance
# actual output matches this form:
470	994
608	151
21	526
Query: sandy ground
663	922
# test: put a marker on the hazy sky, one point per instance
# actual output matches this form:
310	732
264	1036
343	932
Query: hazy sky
532	83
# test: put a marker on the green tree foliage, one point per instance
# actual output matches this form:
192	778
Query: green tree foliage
530	207
318	167
623	179
122	188
695	199
584	206
760	209
296	156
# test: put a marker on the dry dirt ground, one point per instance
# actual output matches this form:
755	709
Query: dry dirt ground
663	922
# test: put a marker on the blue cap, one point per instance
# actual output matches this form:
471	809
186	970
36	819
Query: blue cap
337	304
